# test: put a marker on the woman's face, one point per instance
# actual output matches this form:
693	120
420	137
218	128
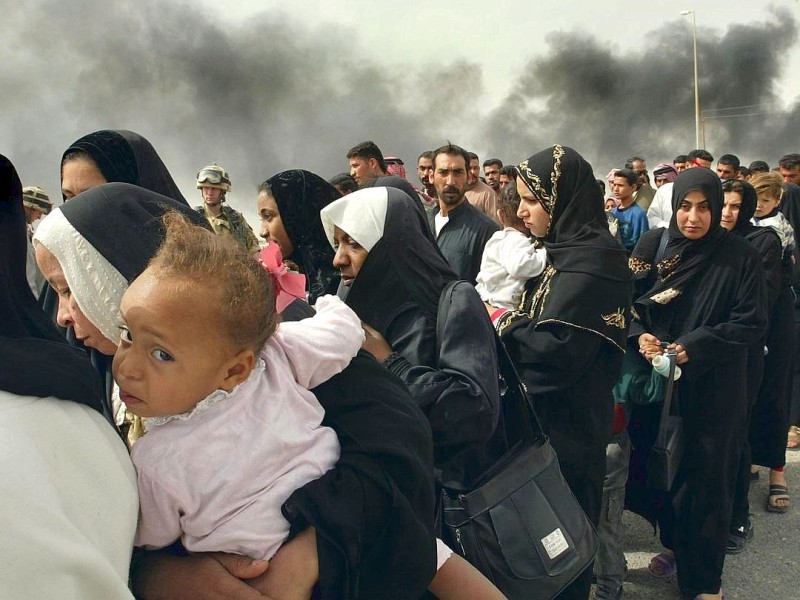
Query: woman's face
694	215
272	225
730	210
350	256
531	211
765	204
78	175
69	314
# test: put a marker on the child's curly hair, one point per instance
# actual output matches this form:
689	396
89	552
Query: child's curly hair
243	288
507	206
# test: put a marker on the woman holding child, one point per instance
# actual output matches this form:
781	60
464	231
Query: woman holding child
567	337
358	509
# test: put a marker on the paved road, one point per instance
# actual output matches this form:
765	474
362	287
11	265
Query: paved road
768	568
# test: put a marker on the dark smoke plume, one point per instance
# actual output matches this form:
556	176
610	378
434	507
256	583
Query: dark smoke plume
258	97
610	105
268	93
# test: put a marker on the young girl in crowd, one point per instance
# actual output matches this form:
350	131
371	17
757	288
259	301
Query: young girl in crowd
231	431
770	187
770	418
510	258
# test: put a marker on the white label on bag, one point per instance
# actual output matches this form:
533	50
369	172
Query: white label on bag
555	544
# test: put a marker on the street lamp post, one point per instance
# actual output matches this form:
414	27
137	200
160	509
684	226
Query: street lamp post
696	84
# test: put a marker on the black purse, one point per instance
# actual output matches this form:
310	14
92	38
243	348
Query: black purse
520	526
667	451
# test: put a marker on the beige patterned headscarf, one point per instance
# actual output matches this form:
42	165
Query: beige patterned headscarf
94	283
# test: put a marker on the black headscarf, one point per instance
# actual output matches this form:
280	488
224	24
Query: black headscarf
300	195
587	283
577	238
403	267
36	359
686	259
125	156
123	223
744	227
397	182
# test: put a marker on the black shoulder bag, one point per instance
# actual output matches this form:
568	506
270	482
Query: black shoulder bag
520	526
667	451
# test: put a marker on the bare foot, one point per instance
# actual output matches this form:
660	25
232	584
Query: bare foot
779	478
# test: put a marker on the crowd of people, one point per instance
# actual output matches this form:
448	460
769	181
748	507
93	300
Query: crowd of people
198	414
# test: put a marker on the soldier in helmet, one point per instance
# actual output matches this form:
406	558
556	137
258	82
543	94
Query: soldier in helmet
36	204
213	182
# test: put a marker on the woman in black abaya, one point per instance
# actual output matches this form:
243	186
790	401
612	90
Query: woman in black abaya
109	156
289	205
739	207
707	298
360	520
568	336
393	276
68	488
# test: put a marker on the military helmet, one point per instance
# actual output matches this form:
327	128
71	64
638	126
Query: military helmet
35	198
214	176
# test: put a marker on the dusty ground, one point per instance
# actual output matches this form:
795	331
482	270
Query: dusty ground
768	568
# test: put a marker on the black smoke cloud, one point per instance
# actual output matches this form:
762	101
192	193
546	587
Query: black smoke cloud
257	97
610	104
269	93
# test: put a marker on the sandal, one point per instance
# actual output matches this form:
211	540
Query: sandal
777	492
662	566
793	439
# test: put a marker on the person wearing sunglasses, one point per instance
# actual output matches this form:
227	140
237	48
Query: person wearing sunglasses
214	182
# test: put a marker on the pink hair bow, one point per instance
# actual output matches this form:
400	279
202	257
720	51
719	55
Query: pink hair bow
288	285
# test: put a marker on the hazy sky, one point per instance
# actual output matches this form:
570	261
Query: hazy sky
263	86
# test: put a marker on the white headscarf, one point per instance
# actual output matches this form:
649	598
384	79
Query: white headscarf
94	283
362	215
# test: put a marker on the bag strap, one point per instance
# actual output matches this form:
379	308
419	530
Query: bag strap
662	246
524	410
661	438
441	312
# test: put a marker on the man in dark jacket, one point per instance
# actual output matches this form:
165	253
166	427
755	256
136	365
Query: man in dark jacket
460	229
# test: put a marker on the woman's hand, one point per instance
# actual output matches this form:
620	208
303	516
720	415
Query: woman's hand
680	351
198	576
293	571
375	343
649	346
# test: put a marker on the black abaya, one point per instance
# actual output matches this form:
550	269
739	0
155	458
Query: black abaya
568	338
36	359
381	489
709	297
453	376
300	195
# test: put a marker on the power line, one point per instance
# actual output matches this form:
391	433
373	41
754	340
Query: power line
754	114
735	107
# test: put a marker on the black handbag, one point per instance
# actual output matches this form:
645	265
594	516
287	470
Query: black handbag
667	451
520	526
